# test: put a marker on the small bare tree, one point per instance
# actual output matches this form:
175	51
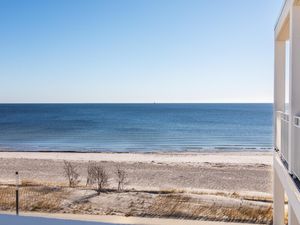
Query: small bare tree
121	177
89	180
97	175
71	173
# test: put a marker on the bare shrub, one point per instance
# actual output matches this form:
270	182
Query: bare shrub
70	171
89	180
121	177
96	174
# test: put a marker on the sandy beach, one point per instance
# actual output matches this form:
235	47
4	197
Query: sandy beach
190	182
227	171
228	157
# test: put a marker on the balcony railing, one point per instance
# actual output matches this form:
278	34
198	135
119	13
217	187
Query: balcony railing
282	134
282	141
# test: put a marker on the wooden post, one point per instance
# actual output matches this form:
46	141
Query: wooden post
17	193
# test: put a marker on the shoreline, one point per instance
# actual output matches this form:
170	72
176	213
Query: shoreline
196	150
225	157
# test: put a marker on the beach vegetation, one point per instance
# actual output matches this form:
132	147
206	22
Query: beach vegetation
96	174
71	173
121	177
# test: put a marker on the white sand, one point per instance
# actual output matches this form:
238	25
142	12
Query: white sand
230	171
190	158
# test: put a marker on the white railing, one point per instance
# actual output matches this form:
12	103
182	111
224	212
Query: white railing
282	134
278	130
282	140
296	150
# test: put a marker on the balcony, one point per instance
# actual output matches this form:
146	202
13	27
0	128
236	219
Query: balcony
287	126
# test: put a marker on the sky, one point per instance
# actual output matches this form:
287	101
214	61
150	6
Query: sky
137	51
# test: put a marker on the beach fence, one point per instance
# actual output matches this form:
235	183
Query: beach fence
31	198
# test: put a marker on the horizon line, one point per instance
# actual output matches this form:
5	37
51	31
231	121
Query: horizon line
136	103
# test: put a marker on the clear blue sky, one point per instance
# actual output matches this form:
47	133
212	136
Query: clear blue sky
137	51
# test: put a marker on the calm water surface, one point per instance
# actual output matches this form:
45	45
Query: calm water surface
135	127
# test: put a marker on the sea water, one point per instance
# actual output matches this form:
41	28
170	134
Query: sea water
135	127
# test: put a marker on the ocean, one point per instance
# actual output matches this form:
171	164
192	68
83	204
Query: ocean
135	127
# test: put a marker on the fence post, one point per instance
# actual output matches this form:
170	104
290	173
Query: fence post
17	193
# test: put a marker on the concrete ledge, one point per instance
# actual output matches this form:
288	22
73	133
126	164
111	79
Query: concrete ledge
29	220
76	219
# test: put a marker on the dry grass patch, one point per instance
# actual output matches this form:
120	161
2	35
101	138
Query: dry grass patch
33	198
7	198
170	203
185	207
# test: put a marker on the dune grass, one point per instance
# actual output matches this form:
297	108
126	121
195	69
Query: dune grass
178	206
171	203
33	198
